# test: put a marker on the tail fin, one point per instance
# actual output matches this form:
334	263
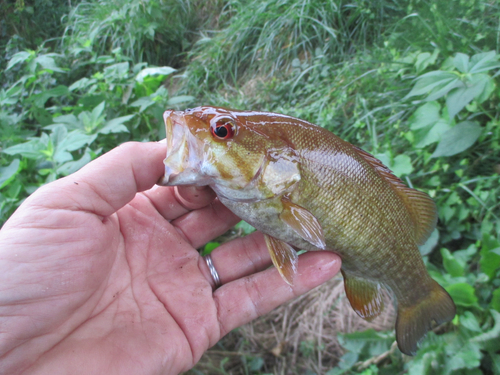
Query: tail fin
414	321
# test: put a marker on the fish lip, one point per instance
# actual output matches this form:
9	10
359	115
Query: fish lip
184	158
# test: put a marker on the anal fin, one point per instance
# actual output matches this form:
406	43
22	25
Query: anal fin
303	223
365	296
284	258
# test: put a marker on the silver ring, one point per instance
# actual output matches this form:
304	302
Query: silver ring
213	271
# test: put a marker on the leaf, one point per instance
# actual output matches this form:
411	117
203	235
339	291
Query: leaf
48	62
482	62
490	260
495	300
493	333
75	141
30	149
162	70
115	125
425	59
468	357
40	99
9	172
458	139
97	112
430	244
143	102
445	89
461	62
463	294
432	134
73	166
431	81
459	97
17	58
454	267
245	227
469	321
425	115
401	165
180	99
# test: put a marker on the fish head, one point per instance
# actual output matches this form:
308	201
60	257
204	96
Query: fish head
234	152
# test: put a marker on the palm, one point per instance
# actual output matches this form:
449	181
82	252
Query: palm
126	292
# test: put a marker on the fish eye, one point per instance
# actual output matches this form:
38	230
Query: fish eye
223	128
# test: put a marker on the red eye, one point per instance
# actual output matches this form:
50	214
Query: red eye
223	129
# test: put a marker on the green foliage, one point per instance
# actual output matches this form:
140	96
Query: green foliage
49	129
155	31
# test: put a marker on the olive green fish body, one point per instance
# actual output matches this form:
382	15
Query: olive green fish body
306	188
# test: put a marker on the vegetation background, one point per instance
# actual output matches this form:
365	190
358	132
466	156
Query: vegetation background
414	82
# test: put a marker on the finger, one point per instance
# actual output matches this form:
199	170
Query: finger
200	226
174	202
238	258
108	183
246	299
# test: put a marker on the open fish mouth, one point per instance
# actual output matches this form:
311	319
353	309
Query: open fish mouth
184	153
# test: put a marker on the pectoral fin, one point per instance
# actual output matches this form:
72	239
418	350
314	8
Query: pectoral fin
284	258
365	296
303	223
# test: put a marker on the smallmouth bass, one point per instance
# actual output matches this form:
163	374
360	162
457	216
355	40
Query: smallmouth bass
305	188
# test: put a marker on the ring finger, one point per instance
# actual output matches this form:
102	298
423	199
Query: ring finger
238	258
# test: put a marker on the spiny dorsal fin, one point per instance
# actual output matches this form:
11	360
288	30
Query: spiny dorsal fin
421	206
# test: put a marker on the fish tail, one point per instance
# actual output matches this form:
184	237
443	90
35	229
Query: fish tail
415	320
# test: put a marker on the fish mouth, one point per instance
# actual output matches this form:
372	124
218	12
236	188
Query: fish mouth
184	157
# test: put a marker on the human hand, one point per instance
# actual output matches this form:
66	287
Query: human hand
96	278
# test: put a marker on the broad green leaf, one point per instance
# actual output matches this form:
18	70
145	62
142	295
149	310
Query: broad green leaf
40	99
180	99
116	125
430	244
209	247
75	140
143	103
9	172
492	334
119	70
458	139
453	266
245	227
490	260
467	357
97	111
425	115
73	166
463	294
401	165
82	83
424	60
47	62
431	134
469	321
17	58
430	81
30	149
461	62
495	300
482	62
162	70
459	97
445	89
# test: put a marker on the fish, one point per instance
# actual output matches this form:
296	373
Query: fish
305	188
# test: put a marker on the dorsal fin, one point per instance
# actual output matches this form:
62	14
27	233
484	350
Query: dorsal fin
421	207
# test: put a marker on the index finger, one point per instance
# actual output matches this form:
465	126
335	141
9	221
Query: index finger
108	183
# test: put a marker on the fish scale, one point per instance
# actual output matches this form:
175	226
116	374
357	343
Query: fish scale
306	188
